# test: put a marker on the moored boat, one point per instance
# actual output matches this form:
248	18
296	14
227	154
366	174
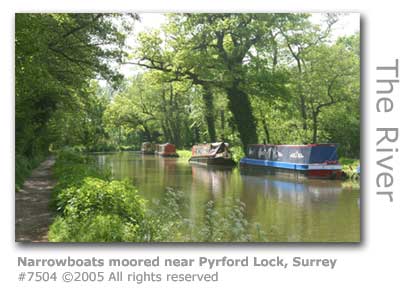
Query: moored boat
148	148
312	160
157	145
167	150
212	154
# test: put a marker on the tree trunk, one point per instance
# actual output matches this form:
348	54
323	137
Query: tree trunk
302	97
239	105
222	123
147	133
303	112
209	112
165	130
315	127
196	135
265	127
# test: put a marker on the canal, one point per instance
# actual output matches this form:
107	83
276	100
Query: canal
219	204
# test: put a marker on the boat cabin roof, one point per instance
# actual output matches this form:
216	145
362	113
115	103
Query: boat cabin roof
296	145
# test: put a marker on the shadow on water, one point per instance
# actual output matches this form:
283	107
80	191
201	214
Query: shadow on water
270	207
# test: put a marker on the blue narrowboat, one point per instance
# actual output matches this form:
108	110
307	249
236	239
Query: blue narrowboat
312	160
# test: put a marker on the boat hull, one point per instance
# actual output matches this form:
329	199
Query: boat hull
211	161
168	155
319	171
147	153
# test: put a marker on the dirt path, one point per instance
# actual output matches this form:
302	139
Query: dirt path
33	215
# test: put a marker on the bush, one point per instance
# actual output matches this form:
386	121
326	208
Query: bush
98	228
237	153
98	210
92	207
71	169
349	167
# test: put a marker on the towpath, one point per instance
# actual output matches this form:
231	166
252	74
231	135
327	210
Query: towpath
33	215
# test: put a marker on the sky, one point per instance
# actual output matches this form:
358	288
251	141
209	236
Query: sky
348	24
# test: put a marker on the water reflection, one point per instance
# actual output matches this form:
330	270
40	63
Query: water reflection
216	179
298	192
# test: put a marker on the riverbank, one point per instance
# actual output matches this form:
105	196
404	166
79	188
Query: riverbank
349	167
33	215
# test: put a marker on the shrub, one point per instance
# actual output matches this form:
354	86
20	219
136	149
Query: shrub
98	211
349	167
97	228
226	224
91	206
237	153
70	170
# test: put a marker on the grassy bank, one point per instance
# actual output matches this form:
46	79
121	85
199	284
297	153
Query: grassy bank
184	154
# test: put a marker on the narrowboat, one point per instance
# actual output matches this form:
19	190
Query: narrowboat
148	148
166	150
157	145
212	154
312	160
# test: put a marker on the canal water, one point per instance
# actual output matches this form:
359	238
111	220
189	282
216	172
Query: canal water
228	205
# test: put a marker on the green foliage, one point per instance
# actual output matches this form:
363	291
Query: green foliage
56	57
225	225
95	195
23	167
349	167
237	153
165	218
98	228
100	210
239	78
150	110
91	207
70	170
184	154
276	78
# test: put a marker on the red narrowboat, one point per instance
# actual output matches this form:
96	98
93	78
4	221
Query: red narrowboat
167	150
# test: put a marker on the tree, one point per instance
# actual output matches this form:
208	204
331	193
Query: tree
300	36
332	78
212	50
87	111
56	57
153	107
173	55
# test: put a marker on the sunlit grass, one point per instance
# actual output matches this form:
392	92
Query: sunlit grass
184	154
